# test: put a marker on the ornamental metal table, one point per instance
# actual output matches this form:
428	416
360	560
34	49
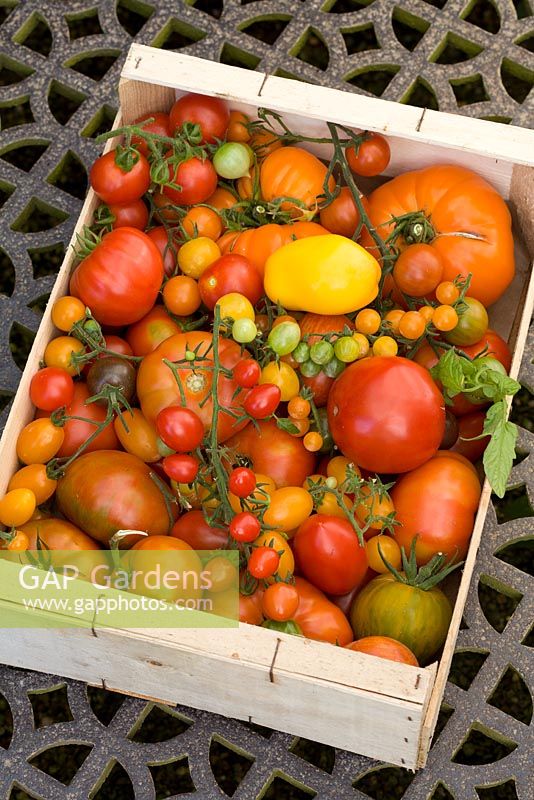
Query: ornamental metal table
59	67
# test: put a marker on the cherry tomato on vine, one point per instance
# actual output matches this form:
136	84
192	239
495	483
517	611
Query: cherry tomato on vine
129	215
66	311
196	255
237	127
313	441
245	527
193	528
444	318
280	601
160	125
385	346
472	324
367	321
113	185
51	388
412	325
244	331
230	273
111	371
242	482
59	353
181	468
372	156
262	401
180	428
418	270
19	542
197	180
233	160
389	549
283	376
210	113
447	293
247	373
39	441
298	408
202	221
341	216
181	295
263	562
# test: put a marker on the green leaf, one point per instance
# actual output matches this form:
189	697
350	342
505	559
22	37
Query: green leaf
499	454
287	425
449	371
495	416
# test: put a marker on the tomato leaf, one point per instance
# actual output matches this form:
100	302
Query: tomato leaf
287	425
449	372
500	452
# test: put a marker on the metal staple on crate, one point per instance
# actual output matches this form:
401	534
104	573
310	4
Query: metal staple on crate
56	93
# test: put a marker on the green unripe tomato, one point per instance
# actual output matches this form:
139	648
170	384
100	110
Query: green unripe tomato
472	324
310	369
284	338
334	367
321	352
301	353
346	349
233	160
244	330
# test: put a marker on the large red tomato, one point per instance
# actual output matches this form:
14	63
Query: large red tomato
274	452
107	491
120	280
320	619
329	554
468	221
157	387
437	503
211	113
386	414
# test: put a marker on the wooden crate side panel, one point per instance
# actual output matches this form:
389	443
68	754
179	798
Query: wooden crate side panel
448	650
362	722
138	98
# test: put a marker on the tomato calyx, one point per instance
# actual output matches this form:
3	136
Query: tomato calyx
415	228
86	241
425	577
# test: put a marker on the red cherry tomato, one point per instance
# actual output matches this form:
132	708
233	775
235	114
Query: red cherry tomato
245	527
113	185
160	238
262	401
161	125
210	113
129	215
51	388
193	528
230	273
372	157
263	562
180	428
181	468
496	347
242	482
197	179
247	373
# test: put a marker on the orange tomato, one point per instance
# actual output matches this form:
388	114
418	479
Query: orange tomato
294	173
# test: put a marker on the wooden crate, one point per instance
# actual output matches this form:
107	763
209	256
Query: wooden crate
353	701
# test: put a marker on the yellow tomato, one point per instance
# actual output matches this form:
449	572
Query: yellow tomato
283	376
265	486
196	255
322	274
66	311
39	441
59	353
337	468
373	506
236	306
141	438
289	507
390	550
16	507
278	541
330	506
363	344
196	495
34	477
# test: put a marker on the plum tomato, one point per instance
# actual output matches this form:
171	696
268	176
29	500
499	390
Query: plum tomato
180	428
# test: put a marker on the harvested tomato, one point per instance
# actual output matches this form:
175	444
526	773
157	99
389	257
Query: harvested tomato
167	247
197	180
247	373
245	527
242	482
129	215
280	601
39	441
371	157
262	401
329	554
491	344
150	331
274	452
250	607
319	618
290	172
107	491
320	386
263	562
77	431
470	426
194	529
137	435
230	273
181	468
34	477
58	534
112	184
157	387
437	503
341	216
160	125
184	562
51	388
120	280
211	113
453	201
384	647
180	428
386	414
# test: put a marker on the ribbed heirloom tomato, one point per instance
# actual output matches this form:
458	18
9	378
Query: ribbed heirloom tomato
157	387
291	172
120	280
386	414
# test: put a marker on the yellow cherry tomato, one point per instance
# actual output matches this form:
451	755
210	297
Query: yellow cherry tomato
367	321
39	441
289	507
394	317
34	477
19	542
363	344
197	495
322	274
236	306
16	507
385	346
59	352
329	505
196	255
373	506
283	376
221	574
278	542
313	441
265	486
390	549
66	311
337	468
137	435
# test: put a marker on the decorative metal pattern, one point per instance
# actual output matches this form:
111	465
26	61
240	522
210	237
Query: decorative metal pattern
59	66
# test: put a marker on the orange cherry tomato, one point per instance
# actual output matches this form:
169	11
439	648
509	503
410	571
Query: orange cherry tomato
39	441
237	127
34	477
66	311
181	295
17	507
202	221
60	351
384	647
